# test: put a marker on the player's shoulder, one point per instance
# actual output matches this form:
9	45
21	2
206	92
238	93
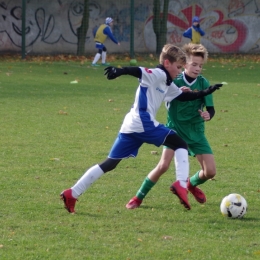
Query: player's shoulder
202	80
156	71
179	77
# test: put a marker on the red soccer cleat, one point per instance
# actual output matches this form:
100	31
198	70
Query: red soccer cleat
134	203
181	193
69	201
197	193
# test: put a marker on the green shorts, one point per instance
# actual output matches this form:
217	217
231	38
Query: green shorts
195	137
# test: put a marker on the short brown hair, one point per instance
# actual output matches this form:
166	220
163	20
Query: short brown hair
193	49
172	53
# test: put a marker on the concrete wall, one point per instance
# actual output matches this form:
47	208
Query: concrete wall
230	25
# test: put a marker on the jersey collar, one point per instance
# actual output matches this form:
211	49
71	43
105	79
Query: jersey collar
168	79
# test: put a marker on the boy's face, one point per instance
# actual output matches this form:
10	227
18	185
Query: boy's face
193	67
174	68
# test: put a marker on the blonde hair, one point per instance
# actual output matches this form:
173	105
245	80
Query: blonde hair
172	53
192	49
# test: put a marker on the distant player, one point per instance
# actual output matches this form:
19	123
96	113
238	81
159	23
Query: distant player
100	35
194	33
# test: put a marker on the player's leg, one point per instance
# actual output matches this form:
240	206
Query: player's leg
92	174
208	169
99	46
123	147
152	178
104	56
71	195
181	161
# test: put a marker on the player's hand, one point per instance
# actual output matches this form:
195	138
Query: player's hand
204	114
112	72
185	89
211	89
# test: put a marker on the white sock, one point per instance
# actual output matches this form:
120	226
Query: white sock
104	55
98	55
181	160
90	176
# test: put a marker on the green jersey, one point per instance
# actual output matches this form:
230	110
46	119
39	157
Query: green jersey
184	118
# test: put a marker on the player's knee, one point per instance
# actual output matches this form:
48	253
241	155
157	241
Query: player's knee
210	173
163	167
109	164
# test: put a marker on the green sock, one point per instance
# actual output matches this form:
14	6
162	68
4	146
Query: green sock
195	179
145	188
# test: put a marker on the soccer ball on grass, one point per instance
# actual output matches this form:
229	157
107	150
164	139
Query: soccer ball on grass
233	206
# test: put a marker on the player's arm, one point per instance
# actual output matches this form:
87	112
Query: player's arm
188	33
108	32
211	111
202	33
192	95
113	72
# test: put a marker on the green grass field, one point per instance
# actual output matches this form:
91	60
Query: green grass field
52	130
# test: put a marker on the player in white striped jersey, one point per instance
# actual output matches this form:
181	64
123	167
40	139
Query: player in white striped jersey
140	124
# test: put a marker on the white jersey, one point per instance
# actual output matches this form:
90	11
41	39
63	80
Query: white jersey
150	94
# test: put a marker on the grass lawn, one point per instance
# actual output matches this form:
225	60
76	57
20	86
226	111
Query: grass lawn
52	129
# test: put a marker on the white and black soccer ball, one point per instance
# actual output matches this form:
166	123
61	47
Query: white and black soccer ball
233	206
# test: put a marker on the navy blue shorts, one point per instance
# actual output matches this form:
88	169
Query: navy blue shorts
127	145
100	45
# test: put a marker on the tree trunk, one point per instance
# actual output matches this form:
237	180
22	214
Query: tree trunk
160	24
82	30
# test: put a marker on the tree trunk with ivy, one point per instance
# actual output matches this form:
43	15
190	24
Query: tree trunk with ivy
160	24
82	30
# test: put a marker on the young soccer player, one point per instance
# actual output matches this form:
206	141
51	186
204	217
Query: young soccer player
194	32
187	119
100	35
140	125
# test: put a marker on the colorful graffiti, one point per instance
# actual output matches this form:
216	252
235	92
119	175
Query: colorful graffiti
226	34
51	26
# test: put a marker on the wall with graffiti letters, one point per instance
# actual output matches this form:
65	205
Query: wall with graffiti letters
51	25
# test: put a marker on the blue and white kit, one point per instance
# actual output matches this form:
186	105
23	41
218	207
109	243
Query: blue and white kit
140	124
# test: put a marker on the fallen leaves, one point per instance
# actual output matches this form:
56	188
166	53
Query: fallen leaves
61	112
167	237
54	159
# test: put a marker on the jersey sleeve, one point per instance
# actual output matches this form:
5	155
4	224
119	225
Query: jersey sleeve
188	33
208	100
109	33
152	77
172	92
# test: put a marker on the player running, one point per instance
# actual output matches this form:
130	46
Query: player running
187	119
140	124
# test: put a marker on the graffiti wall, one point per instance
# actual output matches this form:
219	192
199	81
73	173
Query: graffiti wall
51	25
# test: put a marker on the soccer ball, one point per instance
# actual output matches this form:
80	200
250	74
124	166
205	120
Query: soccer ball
133	62
233	206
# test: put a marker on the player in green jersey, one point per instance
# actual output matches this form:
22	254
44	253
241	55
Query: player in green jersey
187	119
